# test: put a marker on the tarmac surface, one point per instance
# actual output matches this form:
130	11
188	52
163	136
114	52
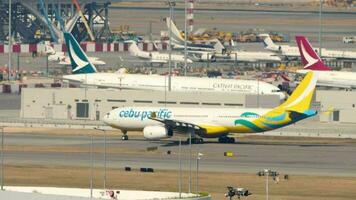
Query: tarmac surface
249	157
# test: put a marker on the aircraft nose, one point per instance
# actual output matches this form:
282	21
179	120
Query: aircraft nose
106	118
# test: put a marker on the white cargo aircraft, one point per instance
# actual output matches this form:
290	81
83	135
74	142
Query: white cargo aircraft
156	57
62	59
293	52
326	77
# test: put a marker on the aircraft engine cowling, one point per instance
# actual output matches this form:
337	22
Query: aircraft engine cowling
207	57
157	132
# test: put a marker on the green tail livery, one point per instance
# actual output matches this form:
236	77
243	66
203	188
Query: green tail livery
79	60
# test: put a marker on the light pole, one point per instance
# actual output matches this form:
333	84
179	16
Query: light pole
185	44
180	168
2	158
267	173
171	4
91	166
10	41
105	158
320	26
199	156
190	160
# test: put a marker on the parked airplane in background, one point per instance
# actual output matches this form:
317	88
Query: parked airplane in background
326	77
83	72
293	52
178	41
62	59
217	50
156	57
248	56
162	122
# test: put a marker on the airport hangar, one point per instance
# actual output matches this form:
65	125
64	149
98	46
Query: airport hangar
93	103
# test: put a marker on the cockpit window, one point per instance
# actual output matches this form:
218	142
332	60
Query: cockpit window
276	91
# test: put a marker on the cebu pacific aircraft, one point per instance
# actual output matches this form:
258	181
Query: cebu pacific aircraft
326	77
164	122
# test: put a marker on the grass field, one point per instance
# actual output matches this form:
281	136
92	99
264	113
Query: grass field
295	188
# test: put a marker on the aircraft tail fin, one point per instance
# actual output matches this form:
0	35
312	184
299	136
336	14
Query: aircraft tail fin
268	42
218	46
176	36
133	48
49	49
309	57
301	98
79	60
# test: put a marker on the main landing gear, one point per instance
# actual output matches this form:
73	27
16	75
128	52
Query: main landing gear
124	136
225	139
196	140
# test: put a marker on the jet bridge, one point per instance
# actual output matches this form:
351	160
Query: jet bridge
40	20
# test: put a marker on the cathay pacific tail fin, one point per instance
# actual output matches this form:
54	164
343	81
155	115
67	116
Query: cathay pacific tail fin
310	59
79	60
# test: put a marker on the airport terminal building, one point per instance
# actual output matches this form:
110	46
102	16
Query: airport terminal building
93	104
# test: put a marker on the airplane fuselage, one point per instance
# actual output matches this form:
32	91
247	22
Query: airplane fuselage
214	122
179	83
336	79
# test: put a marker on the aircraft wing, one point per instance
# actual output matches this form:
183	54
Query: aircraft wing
177	124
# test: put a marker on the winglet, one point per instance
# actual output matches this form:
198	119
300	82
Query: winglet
79	60
309	57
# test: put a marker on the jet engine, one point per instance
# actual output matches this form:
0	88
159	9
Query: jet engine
207	57
157	132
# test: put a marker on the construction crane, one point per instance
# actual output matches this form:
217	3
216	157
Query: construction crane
49	25
91	35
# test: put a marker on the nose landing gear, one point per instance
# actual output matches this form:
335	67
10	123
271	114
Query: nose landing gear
124	136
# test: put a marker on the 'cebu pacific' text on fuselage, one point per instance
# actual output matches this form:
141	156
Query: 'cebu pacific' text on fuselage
162	113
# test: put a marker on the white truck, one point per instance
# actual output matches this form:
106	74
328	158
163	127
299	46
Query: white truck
349	39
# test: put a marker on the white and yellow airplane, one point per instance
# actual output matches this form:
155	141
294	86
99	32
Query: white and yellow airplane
162	122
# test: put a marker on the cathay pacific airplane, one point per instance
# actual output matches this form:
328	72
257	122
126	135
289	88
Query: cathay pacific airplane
84	73
326	77
163	122
293	52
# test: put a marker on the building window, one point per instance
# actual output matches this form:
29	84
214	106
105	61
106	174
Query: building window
85	100
189	103
114	107
115	100
233	104
83	110
211	104
336	116
142	101
167	102
97	100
